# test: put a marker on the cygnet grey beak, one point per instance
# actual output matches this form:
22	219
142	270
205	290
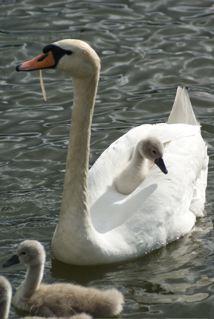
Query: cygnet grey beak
11	261
160	163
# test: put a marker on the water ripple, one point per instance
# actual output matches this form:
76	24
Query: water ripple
147	48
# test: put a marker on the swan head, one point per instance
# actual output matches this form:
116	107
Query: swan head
29	252
72	56
5	293
152	149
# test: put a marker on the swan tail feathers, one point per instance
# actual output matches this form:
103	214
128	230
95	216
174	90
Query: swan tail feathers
182	111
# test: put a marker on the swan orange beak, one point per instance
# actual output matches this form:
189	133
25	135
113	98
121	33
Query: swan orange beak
42	61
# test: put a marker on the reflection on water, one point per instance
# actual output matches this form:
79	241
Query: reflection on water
147	48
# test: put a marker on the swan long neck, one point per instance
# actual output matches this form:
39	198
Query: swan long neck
32	280
75	201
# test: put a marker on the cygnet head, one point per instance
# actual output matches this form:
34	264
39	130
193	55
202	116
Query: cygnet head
75	57
152	149
29	252
5	297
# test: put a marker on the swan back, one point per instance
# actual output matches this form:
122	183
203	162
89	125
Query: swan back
159	210
114	159
5	297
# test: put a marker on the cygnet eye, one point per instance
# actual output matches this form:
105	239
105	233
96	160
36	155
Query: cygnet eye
154	152
23	253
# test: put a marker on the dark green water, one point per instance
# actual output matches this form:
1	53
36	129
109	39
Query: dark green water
147	48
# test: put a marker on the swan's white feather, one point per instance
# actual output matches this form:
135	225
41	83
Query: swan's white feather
182	111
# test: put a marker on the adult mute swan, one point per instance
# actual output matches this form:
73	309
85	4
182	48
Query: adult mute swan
59	299
147	153
5	301
98	225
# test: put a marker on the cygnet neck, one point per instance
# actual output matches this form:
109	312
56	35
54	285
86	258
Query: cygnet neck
32	280
140	161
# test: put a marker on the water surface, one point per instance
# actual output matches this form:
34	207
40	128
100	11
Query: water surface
147	48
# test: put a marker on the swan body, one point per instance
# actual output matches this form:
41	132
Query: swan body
146	153
59	299
97	224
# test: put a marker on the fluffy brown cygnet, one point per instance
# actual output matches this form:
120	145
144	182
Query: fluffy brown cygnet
5	301
59	299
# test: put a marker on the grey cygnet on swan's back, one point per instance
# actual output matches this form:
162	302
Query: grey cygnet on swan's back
59	299
147	152
5	301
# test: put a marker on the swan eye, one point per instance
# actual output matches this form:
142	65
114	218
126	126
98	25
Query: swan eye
57	52
23	253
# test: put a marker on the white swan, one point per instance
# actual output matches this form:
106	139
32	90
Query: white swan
146	153
5	302
98	225
60	299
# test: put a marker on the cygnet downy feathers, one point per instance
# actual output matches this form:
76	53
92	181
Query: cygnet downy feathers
59	299
148	152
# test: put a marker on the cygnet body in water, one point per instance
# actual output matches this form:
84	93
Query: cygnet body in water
59	299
